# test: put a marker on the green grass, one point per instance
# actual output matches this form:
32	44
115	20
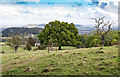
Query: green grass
2	43
8	49
70	61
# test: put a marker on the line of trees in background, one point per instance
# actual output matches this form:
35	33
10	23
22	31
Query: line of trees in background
65	34
94	39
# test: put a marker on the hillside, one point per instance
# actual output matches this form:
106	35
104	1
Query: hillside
1	29
19	30
42	25
84	61
81	28
37	28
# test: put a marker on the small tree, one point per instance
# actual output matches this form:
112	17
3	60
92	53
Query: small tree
100	27
15	42
31	41
28	46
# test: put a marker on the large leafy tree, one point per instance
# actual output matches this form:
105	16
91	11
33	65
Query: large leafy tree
60	32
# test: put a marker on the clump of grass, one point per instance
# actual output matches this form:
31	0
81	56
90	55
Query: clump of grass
101	48
50	70
16	57
99	51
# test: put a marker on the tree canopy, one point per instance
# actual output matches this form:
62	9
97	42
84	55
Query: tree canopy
60	32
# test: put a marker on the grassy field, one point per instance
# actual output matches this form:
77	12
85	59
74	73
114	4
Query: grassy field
2	43
8	49
70	61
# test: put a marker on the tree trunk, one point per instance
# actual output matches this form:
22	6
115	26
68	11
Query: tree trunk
16	48
103	40
60	47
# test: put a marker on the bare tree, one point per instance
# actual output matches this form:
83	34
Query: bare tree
102	27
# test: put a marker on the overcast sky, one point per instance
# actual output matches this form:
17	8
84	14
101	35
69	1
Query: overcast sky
22	12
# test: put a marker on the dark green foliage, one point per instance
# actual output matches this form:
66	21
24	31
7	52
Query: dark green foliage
41	47
101	48
94	39
60	32
112	38
16	30
78	45
67	35
31	41
28	46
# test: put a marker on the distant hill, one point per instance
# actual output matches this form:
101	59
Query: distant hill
1	29
19	30
76	25
42	25
82	29
37	28
35	25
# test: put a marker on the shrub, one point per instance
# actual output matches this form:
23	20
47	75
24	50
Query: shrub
78	45
41	47
28	47
114	41
101	48
31	41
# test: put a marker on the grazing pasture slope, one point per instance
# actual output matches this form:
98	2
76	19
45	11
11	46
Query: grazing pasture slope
83	61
